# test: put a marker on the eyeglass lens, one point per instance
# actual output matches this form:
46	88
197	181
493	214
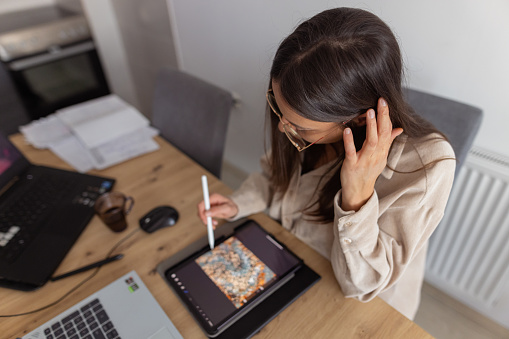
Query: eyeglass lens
290	132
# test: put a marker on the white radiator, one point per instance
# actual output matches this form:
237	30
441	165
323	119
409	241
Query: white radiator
468	255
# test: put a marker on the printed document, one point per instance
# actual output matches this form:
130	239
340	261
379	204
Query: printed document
94	134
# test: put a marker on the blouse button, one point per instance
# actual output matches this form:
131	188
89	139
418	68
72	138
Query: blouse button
347	241
348	224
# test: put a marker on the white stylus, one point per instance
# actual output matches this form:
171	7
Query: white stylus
210	229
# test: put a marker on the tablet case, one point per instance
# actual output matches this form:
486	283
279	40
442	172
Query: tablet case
268	309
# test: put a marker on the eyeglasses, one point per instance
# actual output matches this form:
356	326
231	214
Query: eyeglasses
289	130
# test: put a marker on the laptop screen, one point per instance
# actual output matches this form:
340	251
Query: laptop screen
12	162
8	154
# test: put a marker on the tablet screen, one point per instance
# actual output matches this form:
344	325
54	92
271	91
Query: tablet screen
217	285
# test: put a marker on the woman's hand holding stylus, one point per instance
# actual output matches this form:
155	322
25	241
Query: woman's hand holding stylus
361	169
220	207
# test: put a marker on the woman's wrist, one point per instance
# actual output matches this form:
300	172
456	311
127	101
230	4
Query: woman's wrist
354	203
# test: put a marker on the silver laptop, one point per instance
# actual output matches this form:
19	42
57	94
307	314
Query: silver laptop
124	309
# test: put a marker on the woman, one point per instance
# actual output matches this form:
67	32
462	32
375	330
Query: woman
352	171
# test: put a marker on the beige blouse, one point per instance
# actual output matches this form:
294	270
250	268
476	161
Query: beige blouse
379	250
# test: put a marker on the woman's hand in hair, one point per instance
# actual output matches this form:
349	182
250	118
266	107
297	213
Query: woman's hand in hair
361	169
220	207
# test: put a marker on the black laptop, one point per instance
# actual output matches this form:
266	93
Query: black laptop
43	211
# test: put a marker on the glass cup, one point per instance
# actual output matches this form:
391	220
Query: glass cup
112	208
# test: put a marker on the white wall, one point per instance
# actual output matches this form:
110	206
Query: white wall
134	40
110	47
456	48
147	39
18	5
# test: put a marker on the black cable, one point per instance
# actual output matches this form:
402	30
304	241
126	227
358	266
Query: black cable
81	283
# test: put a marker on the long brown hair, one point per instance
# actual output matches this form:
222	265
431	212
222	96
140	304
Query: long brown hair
333	67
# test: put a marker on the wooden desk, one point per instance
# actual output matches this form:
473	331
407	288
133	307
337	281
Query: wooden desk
168	177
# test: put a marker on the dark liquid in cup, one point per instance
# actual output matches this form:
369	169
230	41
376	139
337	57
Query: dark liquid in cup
112	208
115	219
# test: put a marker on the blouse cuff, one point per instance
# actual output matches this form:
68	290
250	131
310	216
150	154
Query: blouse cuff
241	205
357	231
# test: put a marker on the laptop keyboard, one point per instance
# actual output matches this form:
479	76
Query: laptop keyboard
18	222
88	322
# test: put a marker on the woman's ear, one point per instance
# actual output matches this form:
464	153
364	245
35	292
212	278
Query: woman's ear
359	120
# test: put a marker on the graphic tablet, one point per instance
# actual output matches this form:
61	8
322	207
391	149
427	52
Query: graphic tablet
219	286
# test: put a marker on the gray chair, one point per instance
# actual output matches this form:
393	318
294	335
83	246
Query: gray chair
193	115
458	121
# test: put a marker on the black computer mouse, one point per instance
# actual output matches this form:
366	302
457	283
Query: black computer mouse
159	217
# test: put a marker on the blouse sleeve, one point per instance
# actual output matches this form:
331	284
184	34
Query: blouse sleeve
373	246
254	194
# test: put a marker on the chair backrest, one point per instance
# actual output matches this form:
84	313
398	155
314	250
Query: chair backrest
193	115
458	121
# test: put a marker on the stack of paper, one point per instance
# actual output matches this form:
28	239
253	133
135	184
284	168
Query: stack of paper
94	134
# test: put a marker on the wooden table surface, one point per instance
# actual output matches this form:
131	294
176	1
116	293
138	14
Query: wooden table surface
167	177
